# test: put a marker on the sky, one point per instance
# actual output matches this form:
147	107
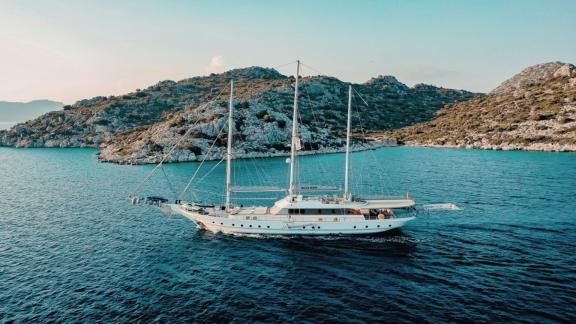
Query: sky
68	50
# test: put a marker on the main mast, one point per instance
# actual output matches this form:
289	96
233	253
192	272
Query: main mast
347	163
229	147
295	140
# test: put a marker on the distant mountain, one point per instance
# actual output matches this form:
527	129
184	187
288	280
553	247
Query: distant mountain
141	126
533	110
17	112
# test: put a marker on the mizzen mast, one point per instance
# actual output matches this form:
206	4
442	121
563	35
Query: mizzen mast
229	147
295	144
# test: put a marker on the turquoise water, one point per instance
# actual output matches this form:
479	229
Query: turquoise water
73	249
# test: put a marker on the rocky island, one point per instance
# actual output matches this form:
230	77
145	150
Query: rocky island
534	110
140	127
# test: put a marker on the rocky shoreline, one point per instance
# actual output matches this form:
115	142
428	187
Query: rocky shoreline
176	157
537	147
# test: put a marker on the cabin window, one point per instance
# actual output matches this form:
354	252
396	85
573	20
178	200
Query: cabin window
259	226
319	211
233	225
250	225
254	217
268	226
354	226
241	225
366	226
303	227
320	219
247	217
333	211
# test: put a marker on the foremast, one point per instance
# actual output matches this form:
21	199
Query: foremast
229	146
295	144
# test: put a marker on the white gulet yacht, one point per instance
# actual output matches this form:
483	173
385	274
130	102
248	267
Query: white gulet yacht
298	214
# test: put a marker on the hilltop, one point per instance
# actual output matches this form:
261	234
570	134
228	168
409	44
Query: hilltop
139	127
533	110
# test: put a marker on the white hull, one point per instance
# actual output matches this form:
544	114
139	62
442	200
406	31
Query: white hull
305	225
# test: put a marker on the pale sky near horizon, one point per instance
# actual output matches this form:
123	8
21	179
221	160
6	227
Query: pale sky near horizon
68	50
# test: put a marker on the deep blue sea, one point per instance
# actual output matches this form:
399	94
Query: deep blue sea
73	249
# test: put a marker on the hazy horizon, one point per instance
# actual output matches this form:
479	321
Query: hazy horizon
70	50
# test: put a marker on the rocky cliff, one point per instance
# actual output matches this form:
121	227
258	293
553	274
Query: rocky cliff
141	126
534	110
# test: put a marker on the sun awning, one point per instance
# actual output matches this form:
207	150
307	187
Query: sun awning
388	203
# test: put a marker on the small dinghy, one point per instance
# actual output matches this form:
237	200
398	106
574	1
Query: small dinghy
445	206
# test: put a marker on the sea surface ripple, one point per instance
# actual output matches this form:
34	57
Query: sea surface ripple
73	249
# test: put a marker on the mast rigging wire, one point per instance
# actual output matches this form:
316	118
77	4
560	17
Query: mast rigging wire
202	162
362	130
159	165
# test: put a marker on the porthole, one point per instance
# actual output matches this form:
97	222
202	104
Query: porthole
241	225
233	225
221	223
354	226
259	226
212	222
390	225
303	227
366	226
318	227
250	225
312	227
268	226
378	226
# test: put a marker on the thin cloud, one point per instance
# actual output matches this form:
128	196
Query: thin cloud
217	65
